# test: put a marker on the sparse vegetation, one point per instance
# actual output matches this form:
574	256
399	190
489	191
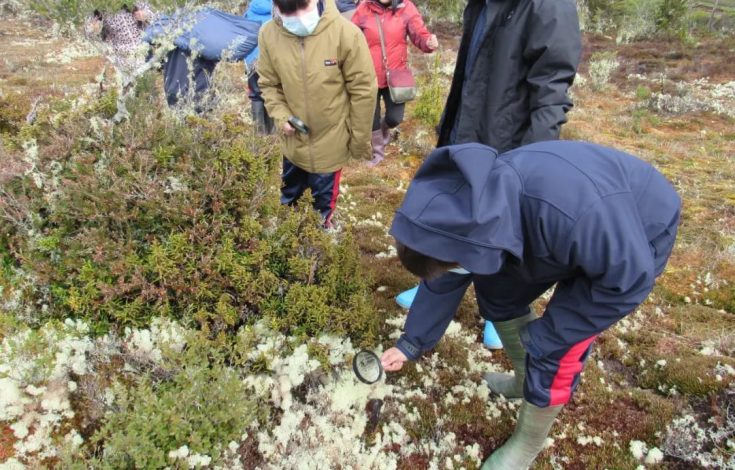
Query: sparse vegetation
74	12
602	65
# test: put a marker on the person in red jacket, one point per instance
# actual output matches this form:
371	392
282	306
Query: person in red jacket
399	19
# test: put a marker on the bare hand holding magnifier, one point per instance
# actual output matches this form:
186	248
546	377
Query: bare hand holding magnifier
393	360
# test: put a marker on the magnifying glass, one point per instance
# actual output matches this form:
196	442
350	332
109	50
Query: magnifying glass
298	124
366	365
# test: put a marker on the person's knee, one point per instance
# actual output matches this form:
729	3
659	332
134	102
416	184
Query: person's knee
392	121
503	313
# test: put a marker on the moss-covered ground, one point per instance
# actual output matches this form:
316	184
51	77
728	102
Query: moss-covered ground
673	358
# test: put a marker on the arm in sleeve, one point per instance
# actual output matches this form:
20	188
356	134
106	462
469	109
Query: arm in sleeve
553	49
362	87
251	40
417	31
357	17
431	312
270	86
613	258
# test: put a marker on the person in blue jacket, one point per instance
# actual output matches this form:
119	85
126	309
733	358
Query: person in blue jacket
260	11
596	223
201	39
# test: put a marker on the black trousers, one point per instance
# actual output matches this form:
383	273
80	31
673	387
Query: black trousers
393	111
324	188
176	75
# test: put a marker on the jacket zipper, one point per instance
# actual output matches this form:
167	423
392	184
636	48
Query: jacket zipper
306	102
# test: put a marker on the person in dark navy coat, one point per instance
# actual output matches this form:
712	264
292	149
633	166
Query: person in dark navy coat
595	223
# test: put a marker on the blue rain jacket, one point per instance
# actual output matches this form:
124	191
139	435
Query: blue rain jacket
260	11
211	33
600	221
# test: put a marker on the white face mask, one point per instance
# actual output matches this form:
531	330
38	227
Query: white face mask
303	25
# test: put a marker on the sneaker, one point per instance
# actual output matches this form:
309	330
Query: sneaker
491	338
405	298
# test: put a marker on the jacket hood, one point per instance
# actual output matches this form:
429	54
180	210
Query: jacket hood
329	14
463	206
378	7
260	7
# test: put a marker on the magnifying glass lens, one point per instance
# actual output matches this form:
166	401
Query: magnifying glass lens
367	367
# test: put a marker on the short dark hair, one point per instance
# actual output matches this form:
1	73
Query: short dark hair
421	265
290	6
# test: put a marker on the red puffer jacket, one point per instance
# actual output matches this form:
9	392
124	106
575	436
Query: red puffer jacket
405	22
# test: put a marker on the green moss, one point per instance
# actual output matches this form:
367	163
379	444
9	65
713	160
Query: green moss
642	92
700	323
689	375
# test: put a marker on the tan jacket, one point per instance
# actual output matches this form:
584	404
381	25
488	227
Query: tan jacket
328	81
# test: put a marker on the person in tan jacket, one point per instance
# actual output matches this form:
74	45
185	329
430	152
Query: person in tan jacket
319	86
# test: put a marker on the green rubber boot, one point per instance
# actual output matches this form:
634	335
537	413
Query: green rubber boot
528	439
509	385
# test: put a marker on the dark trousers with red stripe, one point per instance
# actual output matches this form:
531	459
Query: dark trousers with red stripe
552	375
324	188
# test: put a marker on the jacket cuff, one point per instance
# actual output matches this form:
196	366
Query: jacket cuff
406	347
360	151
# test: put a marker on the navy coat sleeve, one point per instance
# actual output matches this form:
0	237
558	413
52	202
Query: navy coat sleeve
431	313
615	264
554	48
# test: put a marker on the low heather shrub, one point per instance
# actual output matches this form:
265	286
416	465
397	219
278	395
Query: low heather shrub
167	216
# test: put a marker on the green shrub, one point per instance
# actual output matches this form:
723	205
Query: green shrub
203	405
160	216
637	19
430	103
444	10
672	18
13	110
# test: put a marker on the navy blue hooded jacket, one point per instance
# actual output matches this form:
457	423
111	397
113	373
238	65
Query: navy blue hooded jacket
546	212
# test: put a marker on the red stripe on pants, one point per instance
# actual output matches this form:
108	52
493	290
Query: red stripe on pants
569	366
335	195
